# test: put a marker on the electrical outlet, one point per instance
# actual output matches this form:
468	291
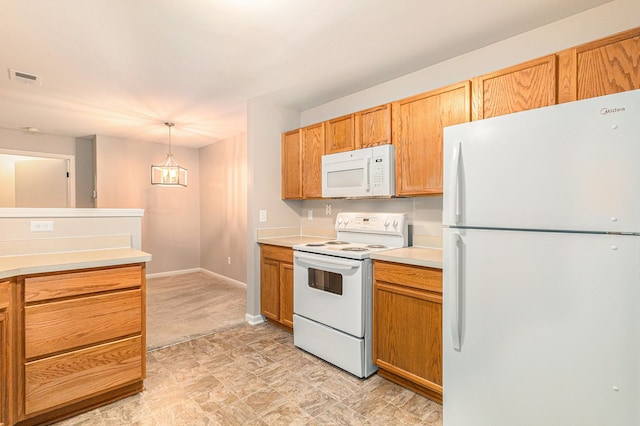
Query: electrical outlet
327	209
310	214
229	260
41	226
263	215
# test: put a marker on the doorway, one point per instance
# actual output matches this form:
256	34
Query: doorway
31	179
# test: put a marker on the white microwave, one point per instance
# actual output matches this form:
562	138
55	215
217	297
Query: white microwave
367	172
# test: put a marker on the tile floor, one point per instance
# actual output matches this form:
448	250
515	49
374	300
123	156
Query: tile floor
254	375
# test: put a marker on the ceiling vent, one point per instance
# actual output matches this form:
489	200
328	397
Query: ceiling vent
24	77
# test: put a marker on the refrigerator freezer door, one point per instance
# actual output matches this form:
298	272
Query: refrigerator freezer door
572	166
548	328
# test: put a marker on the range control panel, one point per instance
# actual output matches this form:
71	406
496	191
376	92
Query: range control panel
372	222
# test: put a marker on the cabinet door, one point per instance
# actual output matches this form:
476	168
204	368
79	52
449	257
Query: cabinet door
418	124
312	151
373	126
407	326
270	289
71	323
291	165
340	135
521	87
286	294
4	351
3	367
408	336
603	67
66	378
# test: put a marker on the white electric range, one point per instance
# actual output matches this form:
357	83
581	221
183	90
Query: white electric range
333	284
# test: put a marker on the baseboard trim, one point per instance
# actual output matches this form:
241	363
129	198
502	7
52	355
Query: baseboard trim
169	273
253	319
190	271
214	274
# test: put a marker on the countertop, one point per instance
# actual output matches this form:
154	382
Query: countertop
11	266
417	256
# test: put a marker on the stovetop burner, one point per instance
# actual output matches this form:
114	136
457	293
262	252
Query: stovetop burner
376	246
314	244
336	242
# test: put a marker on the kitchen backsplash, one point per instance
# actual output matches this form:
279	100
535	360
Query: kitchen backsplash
425	215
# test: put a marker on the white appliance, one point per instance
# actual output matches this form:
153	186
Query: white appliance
541	316
367	172
332	289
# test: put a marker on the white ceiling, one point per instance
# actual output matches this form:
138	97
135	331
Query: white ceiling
123	67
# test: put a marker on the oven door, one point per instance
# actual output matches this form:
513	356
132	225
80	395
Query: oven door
330	290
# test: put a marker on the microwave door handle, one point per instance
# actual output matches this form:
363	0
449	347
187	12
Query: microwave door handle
367	173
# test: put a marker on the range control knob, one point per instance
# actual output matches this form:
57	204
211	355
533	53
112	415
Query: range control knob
386	222
395	223
339	221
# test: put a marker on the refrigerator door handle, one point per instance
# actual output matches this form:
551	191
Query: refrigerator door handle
454	201
454	290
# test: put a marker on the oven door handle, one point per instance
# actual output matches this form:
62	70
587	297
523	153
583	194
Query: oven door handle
327	261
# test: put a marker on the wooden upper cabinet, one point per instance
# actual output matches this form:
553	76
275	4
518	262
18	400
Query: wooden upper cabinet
291	165
340	135
603	67
529	85
418	124
312	152
373	126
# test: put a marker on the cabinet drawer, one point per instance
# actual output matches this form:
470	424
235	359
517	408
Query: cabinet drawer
410	276
283	254
81	282
59	326
4	294
81	374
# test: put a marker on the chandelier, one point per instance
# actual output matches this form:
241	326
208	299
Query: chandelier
168	173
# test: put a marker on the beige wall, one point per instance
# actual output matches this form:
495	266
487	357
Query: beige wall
425	212
171	222
223	207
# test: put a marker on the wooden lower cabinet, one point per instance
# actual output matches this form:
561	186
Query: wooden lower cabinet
82	342
407	326
4	351
276	285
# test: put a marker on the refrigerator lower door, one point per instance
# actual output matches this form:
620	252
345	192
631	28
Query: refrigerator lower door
540	328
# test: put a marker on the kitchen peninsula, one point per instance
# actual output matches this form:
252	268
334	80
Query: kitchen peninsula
72	311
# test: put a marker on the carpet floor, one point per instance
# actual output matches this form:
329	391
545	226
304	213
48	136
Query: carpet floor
187	306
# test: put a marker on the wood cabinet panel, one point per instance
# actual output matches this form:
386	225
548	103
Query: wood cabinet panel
276	285
373	126
418	124
77	375
4	367
407	326
340	135
270	289
525	86
602	67
282	254
52	286
414	277
63	325
291	165
312	152
286	294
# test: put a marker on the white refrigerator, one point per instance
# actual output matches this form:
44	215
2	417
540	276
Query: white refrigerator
541	277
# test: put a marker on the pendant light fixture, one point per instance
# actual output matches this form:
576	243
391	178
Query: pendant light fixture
169	173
